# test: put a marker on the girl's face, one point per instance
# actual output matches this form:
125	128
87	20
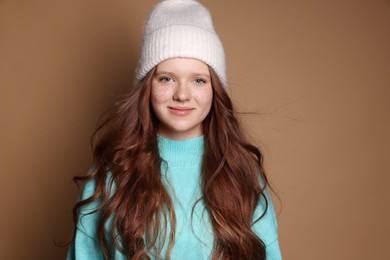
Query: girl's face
181	97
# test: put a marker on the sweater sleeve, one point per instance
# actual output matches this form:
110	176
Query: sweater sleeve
267	228
86	244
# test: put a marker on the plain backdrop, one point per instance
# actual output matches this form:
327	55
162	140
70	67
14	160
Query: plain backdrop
316	74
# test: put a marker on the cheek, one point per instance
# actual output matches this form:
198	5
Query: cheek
205	98
159	94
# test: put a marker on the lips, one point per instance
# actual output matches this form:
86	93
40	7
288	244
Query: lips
180	111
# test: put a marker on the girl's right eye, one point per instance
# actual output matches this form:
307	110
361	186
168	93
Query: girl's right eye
165	79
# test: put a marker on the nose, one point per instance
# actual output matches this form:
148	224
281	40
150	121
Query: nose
182	92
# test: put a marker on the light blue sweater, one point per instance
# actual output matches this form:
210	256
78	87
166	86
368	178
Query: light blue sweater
194	238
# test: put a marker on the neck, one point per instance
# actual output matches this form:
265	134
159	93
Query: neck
181	152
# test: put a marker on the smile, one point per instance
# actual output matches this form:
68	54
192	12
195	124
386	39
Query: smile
180	111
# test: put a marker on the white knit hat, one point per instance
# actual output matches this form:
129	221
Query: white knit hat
181	28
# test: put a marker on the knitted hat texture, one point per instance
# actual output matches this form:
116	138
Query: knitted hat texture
181	28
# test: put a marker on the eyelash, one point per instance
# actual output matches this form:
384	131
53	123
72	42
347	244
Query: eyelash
165	79
200	81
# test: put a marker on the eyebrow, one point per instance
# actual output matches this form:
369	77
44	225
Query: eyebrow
192	74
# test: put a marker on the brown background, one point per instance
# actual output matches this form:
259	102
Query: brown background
317	73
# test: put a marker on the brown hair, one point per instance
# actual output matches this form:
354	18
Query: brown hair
125	146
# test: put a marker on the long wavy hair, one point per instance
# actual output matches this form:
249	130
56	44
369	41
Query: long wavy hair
125	147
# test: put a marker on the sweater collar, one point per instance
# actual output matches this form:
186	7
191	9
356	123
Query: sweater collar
186	152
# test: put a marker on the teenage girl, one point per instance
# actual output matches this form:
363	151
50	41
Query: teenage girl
173	175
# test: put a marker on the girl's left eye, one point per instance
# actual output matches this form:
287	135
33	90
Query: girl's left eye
200	81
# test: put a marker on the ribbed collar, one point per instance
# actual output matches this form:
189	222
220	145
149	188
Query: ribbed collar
186	152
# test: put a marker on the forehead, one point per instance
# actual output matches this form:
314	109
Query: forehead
183	66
